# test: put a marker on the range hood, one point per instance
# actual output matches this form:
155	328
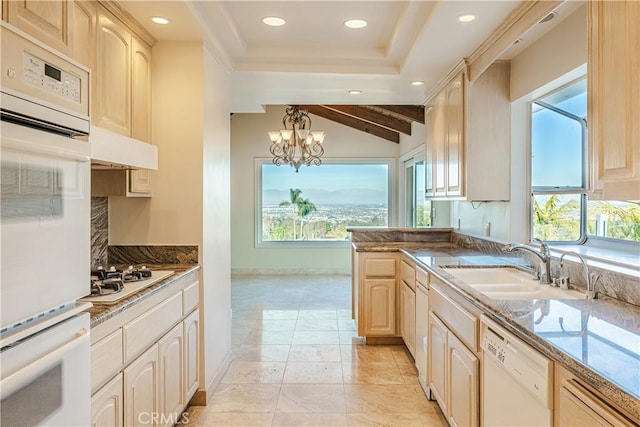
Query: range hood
110	150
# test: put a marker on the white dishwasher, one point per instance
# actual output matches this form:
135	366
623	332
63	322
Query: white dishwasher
517	381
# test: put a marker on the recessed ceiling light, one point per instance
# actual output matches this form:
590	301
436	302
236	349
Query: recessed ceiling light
549	17
417	83
160	20
273	21
466	18
355	92
355	23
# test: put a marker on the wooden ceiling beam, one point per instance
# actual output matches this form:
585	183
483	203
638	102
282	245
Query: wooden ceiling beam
361	125
411	112
374	116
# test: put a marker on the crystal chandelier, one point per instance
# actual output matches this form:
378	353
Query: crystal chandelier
296	145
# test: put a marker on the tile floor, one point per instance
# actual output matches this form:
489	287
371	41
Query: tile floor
298	362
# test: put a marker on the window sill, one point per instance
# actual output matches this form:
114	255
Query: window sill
620	260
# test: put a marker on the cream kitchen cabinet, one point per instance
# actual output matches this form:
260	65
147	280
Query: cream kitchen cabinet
613	112
153	347
119	182
577	405
467	141
141	403
452	362
48	21
377	294
107	405
84	34
408	305
111	100
171	389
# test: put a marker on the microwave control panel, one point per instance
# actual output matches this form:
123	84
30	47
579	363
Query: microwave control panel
39	73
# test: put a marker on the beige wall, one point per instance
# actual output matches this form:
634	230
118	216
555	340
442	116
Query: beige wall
249	140
556	58
191	194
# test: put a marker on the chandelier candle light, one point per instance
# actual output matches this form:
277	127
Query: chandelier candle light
296	144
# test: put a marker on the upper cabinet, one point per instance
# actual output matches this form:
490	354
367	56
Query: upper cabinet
468	137
614	104
48	21
112	75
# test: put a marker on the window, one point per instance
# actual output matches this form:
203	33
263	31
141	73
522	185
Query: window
417	209
558	156
560	209
316	205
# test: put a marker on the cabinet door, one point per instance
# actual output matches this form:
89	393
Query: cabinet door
463	382
171	394
410	321
428	151
422	304
112	95
140	91
84	33
454	131
614	104
380	307
403	310
141	390
140	182
437	360
439	146
191	352
106	405
47	21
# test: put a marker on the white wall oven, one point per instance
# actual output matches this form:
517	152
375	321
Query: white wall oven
44	234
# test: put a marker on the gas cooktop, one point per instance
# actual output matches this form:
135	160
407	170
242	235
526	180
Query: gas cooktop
111	286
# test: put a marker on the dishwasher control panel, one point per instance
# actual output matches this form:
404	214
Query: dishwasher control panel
529	368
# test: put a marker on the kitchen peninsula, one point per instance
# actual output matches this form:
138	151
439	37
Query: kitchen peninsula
605	366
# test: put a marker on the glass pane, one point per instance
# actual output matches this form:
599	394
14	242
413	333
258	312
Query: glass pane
556	150
319	203
572	99
423	207
556	217
613	219
409	195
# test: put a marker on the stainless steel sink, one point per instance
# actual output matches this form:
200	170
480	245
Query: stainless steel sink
509	283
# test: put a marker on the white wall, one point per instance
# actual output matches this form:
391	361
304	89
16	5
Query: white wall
191	193
249	140
555	59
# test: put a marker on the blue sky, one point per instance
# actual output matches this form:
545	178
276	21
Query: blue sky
326	177
557	145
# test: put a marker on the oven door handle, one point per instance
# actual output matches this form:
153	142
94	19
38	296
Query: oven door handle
27	374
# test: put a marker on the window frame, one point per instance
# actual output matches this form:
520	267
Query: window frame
391	198
410	160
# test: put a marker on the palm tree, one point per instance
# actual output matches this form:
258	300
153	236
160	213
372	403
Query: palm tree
294	200
552	219
305	207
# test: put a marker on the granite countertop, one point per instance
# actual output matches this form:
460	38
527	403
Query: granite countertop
102	312
598	340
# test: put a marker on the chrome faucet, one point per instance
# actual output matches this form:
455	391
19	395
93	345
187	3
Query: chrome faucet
591	278
544	255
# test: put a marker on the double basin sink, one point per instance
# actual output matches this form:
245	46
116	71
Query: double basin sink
509	283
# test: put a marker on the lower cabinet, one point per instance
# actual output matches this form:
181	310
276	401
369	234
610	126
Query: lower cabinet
141	390
171	391
453	371
191	352
107	405
408	317
380	302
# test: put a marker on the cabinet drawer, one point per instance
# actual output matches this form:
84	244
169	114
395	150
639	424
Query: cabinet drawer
380	267
106	358
190	297
460	322
422	277
144	331
408	274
